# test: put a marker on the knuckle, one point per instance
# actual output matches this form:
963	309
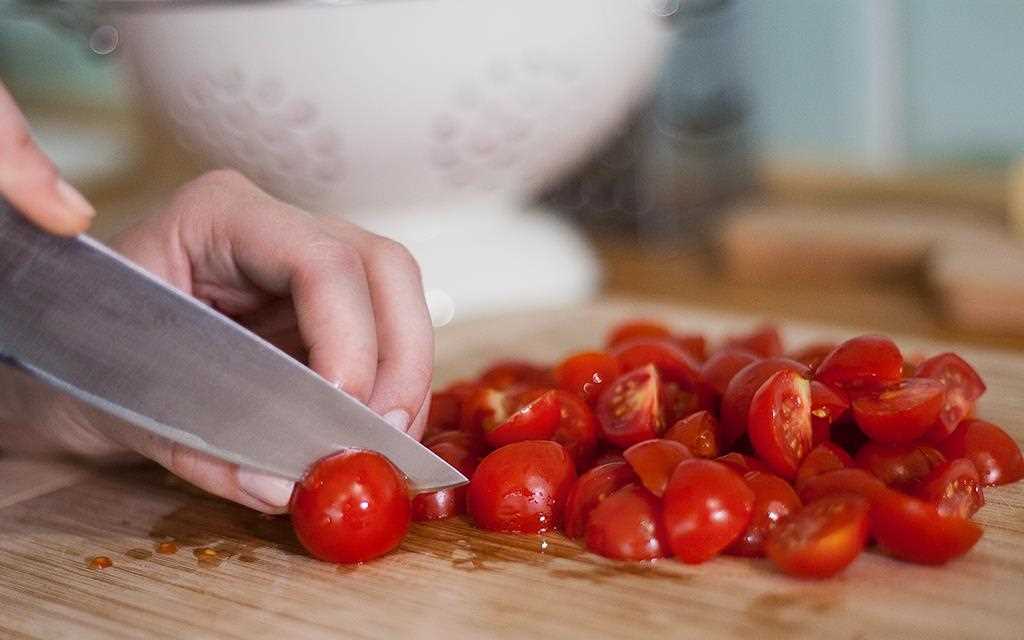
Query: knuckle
334	256
394	252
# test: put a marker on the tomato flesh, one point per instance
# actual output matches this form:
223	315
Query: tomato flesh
822	539
630	410
963	388
653	461
627	525
954	488
774	500
780	422
735	408
914	530
993	452
697	432
901	412
898	465
536	420
587	374
863	362
589	490
674	364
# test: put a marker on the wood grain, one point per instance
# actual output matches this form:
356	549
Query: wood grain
449	580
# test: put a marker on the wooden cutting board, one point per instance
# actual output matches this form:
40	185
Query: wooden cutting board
450	581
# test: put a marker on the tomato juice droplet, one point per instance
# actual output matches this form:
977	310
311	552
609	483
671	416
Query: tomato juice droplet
167	547
99	562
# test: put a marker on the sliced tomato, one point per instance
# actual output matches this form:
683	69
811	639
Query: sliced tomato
823	538
898	464
741	463
635	329
992	451
509	373
536	420
694	344
774	500
829	483
577	428
963	388
696	431
736	401
587	374
653	461
954	488
812	354
590	489
719	369
674	364
468	441
678	403
630	410
627	525
914	530
445	412
450	502
706	507
764	340
828	406
901	412
864	362
606	456
823	458
780	422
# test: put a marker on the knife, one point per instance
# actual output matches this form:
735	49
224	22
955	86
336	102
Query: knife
132	352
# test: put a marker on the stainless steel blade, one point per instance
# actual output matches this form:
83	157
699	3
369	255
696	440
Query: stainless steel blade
82	320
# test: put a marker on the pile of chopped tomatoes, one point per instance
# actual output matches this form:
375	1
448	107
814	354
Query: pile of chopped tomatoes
655	447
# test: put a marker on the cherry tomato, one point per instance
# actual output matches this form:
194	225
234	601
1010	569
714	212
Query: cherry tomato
590	489
674	364
963	388
521	487
706	507
697	432
812	354
954	488
577	428
901	412
446	503
741	390
536	420
445	412
509	373
863	362
351	507
653	462
822	539
774	500
828	406
780	422
765	341
740	463
468	441
677	403
627	525
829	483
608	455
694	344
635	329
719	369
994	453
914	530
823	458
898	464
587	374
630	410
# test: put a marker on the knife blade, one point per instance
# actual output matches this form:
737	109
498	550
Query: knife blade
83	322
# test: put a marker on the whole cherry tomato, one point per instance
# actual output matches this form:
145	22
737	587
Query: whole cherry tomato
994	453
774	501
864	362
587	374
741	390
697	432
780	422
902	411
963	388
822	539
706	507
590	489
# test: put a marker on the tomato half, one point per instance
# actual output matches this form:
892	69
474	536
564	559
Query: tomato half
635	329
445	412
674	364
630	410
741	463
780	422
914	530
954	488
706	507
587	374
828	406
509	373
829	483
898	464
719	369
764	340
963	388
351	507
992	451
627	525
822	539
521	487
697	432
535	420
589	490
449	502
863	362
736	400
577	428
823	458
774	500
653	461
901	412
812	354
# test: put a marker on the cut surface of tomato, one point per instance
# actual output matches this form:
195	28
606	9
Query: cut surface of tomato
898	464
587	374
627	525
963	388
822	539
653	461
828	406
590	489
864	362
954	488
674	364
993	452
735	407
901	412
823	458
914	530
536	420
697	432
630	411
779	423
774	500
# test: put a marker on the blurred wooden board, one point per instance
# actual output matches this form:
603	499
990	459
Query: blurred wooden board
450	581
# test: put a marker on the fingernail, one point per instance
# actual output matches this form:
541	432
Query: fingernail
74	201
397	418
277	492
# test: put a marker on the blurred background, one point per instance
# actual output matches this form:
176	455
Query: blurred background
845	161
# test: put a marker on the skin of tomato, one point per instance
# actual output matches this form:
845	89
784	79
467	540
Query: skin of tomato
954	488
537	420
780	422
577	428
993	452
828	406
963	388
590	489
629	411
898	464
694	344
741	463
812	354
674	364
521	487
823	458
445	412
821	539
636	329
587	374
764	341
653	461
719	369
915	531
735	407
774	501
509	373
706	507
627	525
438	505
863	362
697	432
351	507
855	481
902	412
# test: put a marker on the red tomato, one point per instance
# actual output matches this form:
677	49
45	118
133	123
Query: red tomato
994	453
446	407
674	364
706	506
863	362
653	461
822	539
607	456
780	422
828	406
741	390
963	388
521	487
468	441
764	341
630	410
829	483
694	344
627	525
823	458
740	463
697	432
589	490
351	507
898	465
901	412
587	374
509	373
812	354
635	329
536	420
774	500
720	368
914	530
954	488
577	428
446	503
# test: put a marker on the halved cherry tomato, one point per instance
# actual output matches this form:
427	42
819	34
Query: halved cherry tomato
812	354
864	362
741	463
630	410
351	507
590	489
627	525
577	428
445	412
449	502
780	422
521	487
736	401
822	539
653	461
706	507
828	406
608	455
914	530
765	341
509	373
719	369
901	412
674	364
694	344
632	330
829	483
587	374
994	453
954	488
898	464
774	500
536	420
677	402
697	432
963	388
823	458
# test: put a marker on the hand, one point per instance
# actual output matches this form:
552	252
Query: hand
30	181
346	301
